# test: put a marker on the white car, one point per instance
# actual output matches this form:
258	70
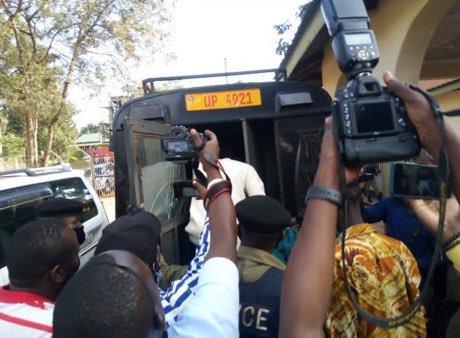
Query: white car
22	190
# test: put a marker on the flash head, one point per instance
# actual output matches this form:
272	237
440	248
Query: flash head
353	41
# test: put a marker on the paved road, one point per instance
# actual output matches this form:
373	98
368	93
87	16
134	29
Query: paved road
109	206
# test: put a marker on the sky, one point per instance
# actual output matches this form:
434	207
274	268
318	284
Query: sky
203	34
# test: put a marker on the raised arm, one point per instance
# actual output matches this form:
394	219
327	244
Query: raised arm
429	218
308	278
213	310
221	212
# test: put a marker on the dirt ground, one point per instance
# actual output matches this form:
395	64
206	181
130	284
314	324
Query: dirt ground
109	206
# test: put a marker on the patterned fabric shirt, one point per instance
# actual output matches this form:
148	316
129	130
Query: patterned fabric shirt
385	277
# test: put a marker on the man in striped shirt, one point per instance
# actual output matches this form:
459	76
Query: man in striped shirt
41	258
139	234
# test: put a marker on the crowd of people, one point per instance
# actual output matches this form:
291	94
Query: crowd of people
273	282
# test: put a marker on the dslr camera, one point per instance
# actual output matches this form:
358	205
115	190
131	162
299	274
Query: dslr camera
178	144
370	122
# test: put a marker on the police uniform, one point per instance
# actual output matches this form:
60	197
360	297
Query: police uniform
261	273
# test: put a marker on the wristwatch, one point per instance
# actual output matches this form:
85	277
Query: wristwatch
324	193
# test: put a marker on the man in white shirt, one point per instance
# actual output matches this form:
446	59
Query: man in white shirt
245	182
114	294
41	258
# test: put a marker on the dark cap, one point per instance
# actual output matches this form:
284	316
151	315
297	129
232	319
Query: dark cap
59	207
138	233
262	215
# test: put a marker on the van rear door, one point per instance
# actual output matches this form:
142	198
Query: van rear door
155	183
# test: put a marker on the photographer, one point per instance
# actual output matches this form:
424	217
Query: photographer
308	279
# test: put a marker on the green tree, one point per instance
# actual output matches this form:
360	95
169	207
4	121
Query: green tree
89	129
83	39
284	28
103	128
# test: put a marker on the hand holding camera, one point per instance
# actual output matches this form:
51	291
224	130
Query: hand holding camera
178	144
210	150
419	112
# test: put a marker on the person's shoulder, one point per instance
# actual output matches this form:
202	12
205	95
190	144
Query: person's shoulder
39	317
228	162
390	201
392	246
275	273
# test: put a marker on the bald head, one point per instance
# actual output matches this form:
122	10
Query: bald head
112	296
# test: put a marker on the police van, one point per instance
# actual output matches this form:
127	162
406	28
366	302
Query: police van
274	126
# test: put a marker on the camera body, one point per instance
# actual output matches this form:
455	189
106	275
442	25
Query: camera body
178	144
370	122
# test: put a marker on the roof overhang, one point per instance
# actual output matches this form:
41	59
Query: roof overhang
302	44
303	59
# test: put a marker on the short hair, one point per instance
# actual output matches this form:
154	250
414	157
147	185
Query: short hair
103	300
34	249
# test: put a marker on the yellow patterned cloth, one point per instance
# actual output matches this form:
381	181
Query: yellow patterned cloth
385	277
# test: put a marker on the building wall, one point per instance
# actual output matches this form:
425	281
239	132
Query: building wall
449	101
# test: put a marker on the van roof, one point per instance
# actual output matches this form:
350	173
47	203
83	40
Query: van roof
169	106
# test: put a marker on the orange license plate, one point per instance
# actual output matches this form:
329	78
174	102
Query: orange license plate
223	100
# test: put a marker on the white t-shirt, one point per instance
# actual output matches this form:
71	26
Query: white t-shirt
245	182
4	277
213	309
25	314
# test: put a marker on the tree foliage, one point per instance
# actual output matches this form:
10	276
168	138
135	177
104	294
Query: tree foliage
46	46
283	30
102	127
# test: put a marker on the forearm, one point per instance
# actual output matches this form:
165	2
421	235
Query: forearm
223	225
427	217
308	277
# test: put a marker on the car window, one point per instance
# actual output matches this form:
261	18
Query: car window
74	188
17	206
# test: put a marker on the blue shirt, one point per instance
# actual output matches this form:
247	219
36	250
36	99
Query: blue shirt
404	226
284	247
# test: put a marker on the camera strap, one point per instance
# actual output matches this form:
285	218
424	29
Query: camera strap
202	179
443	172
